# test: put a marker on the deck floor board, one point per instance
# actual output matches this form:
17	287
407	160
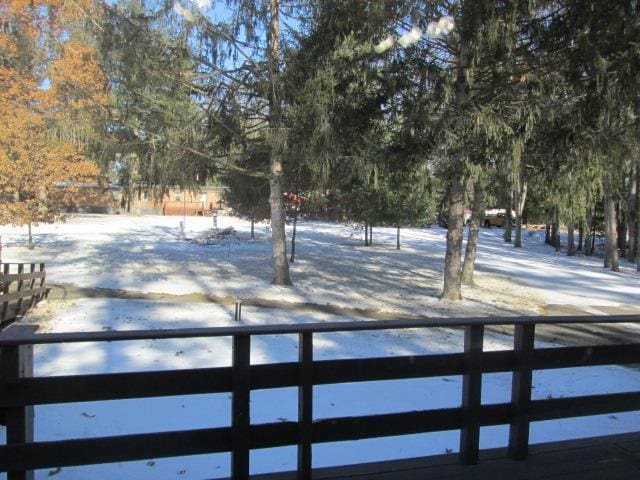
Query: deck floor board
615	457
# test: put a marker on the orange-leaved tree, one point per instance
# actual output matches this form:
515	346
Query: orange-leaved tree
50	84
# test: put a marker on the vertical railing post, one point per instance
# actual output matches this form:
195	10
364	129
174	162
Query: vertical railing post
238	316
5	289
524	337
16	362
43	281
240	407
471	394
305	404
20	285
32	285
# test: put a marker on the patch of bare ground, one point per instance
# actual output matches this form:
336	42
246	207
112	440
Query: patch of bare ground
504	292
46	312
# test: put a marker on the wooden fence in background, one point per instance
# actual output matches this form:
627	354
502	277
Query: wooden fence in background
22	285
20	391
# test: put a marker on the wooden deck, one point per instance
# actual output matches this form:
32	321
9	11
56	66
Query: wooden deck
611	458
615	457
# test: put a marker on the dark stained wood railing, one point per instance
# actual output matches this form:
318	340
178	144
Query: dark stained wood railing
20	391
22	285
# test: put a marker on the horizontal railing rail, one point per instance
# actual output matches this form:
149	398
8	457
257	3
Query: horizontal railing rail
20	391
34	338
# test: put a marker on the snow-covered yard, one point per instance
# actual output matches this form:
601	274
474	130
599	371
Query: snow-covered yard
148	254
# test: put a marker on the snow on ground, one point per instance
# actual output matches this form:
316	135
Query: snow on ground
148	254
556	278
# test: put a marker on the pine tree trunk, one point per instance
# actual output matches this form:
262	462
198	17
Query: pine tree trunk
520	199
292	258
611	241
398	237
555	231
366	234
452	261
571	246
621	227
554	234
370	234
518	237
452	289
588	233
253	221
278	234
30	241
580	235
632	211
477	214
547	234
507	223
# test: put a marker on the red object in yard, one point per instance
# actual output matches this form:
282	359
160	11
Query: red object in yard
293	198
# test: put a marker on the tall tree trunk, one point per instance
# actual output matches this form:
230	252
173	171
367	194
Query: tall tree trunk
611	241
638	248
30	241
547	234
555	230
507	222
455	231
292	258
398	237
278	234
588	232
571	244
580	235
632	211
253	222
519	200
366	234
452	289
370	234
554	234
477	215
621	228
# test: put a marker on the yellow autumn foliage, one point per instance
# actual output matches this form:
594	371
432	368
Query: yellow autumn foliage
39	91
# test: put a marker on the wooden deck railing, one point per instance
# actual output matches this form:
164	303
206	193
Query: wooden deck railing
22	285
19	391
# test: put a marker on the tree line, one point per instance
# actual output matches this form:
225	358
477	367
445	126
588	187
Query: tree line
383	112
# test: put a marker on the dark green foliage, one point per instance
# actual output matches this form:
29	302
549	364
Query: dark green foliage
154	114
540	98
248	196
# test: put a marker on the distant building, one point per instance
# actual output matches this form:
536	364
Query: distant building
78	197
179	202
